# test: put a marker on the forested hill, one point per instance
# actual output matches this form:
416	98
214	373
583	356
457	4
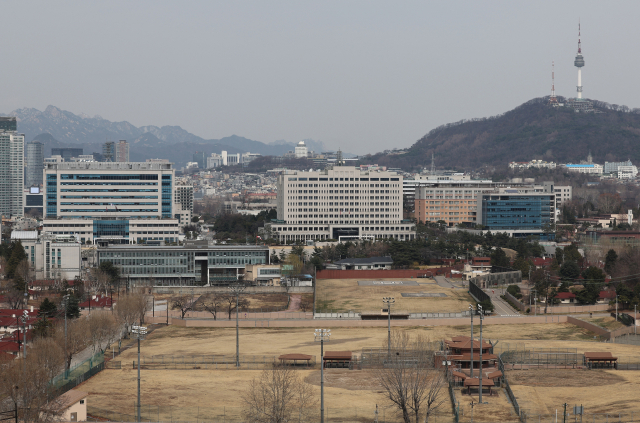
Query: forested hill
533	130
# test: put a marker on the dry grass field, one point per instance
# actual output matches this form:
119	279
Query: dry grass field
348	393
600	391
342	295
606	322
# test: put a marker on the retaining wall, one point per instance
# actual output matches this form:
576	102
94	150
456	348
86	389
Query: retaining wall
380	274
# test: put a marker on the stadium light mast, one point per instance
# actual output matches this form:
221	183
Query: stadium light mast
321	335
480	370
471	356
140	332
579	63
237	290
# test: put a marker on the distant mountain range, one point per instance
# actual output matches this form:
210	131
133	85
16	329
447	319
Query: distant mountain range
59	128
533	130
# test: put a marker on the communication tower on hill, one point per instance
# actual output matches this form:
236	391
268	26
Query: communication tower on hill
579	63
553	100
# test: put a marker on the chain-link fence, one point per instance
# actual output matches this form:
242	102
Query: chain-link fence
625	417
154	413
518	357
219	362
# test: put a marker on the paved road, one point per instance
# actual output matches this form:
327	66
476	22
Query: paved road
443	282
502	307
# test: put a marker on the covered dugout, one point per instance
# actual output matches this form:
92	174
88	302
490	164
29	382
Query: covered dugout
600	360
339	359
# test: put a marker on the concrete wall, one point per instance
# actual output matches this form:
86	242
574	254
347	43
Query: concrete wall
516	302
310	323
222	315
574	309
200	290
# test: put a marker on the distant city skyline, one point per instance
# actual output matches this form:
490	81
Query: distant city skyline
360	76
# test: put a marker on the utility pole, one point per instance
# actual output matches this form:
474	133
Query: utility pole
321	335
237	290
140	331
481	319
471	357
564	414
388	301
635	316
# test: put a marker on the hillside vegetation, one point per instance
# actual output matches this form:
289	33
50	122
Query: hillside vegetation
533	130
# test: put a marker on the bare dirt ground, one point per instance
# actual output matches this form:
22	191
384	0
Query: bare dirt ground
342	295
352	395
600	391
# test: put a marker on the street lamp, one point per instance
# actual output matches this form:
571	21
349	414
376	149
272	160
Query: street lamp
237	290
388	301
471	356
321	335
140	332
481	319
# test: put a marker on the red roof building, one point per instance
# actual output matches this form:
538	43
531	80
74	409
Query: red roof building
566	297
97	301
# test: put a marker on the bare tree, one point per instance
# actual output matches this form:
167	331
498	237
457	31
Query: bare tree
409	380
212	303
77	338
141	305
229	301
27	385
103	330
279	395
183	302
127	311
25	271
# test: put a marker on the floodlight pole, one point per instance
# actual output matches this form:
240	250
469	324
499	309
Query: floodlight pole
481	319
471	356
237	289
66	304
140	331
322	335
635	317
388	301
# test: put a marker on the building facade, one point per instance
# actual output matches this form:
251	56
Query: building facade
34	163
342	202
12	170
591	168
193	264
183	203
122	151
516	209
612	167
451	201
67	153
51	256
121	202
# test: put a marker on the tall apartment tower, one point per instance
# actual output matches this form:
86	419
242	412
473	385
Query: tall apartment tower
11	168
122	151
109	151
35	163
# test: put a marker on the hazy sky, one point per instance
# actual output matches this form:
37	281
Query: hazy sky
361	75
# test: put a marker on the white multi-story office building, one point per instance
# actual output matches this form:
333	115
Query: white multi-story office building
11	168
109	200
51	256
340	203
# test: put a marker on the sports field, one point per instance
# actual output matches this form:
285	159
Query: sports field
600	391
350	395
342	295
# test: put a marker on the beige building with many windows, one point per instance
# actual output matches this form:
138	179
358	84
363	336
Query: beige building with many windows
340	203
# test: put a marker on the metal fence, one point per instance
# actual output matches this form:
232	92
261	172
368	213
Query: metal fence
78	370
154	413
517	356
378	358
626	417
217	362
438	315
